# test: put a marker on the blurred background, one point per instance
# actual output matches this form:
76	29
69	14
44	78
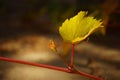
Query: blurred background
26	26
37	16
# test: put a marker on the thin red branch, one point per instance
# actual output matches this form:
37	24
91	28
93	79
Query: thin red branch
89	75
68	70
34	64
72	57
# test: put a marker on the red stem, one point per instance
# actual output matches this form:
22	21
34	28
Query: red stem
34	64
72	57
90	76
50	67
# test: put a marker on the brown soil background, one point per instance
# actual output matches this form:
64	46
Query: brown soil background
99	56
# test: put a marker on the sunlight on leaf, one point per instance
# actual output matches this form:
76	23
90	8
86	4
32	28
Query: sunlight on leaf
79	27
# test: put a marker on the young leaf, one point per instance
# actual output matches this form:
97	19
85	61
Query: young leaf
79	27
